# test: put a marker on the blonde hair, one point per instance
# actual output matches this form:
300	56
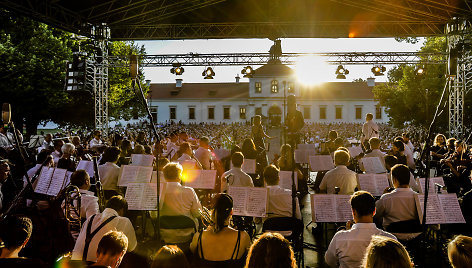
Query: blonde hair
172	171
341	157
459	251
385	252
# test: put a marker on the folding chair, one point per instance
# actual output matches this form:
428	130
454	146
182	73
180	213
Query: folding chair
177	230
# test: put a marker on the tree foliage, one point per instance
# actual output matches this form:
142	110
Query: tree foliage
412	98
32	73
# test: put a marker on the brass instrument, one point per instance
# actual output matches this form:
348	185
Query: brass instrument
72	211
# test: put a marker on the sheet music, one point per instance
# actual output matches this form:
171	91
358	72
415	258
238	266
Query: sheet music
321	162
249	166
249	201
373	165
432	186
44	180
87	166
374	183
145	160
67	178
301	156
306	147
354	150
441	209
201	179
313	175
57	181
286	179
154	177
188	164
330	208
129	174
143	196
451	208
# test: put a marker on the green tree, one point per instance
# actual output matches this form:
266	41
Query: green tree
412	98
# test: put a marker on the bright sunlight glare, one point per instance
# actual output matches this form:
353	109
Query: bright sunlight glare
313	70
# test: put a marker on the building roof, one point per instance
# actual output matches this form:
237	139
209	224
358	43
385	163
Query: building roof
273	70
199	91
337	91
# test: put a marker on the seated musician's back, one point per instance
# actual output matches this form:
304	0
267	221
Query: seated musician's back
398	205
347	248
279	199
340	176
236	176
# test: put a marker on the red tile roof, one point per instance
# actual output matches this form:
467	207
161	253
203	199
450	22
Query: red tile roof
200	91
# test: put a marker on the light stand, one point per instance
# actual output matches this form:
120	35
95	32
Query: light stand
140	95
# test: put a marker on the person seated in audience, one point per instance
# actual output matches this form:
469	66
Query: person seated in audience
347	248
220	245
111	249
110	171
374	143
271	250
340	176
66	161
170	256
88	202
399	204
203	153
236	176
178	200
15	232
111	219
391	161
280	200
459	252
385	252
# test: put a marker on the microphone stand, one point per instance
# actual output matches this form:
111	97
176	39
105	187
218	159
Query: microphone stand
425	155
142	99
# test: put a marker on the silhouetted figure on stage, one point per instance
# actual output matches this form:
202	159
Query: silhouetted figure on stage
294	121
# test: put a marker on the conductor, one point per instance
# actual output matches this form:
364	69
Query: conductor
294	121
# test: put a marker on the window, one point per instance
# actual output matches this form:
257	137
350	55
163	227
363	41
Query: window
172	112
358	112
322	112
378	112
242	112
291	88
258	86
258	111
274	86
191	112
226	114
154	114
339	112
211	112
307	112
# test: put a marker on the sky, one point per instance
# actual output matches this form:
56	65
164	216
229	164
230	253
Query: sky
318	72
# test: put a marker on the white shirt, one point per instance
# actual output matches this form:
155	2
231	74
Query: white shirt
180	200
280	202
410	161
121	224
88	204
204	157
374	153
341	177
235	177
56	156
94	143
410	145
347	248
109	173
369	130
398	205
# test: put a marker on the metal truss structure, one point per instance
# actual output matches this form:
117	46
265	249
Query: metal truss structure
345	58
459	35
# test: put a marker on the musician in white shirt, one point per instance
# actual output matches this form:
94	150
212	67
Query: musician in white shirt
96	141
340	176
375	147
347	248
109	172
88	201
369	129
279	199
236	176
399	204
116	207
203	153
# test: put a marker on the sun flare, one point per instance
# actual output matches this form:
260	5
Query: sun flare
312	70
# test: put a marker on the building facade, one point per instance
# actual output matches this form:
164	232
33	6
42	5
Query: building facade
264	95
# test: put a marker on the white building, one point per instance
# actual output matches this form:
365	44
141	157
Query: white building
264	95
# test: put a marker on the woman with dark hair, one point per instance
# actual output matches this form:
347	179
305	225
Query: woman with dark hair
170	256
125	155
271	250
220	245
249	149
438	151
